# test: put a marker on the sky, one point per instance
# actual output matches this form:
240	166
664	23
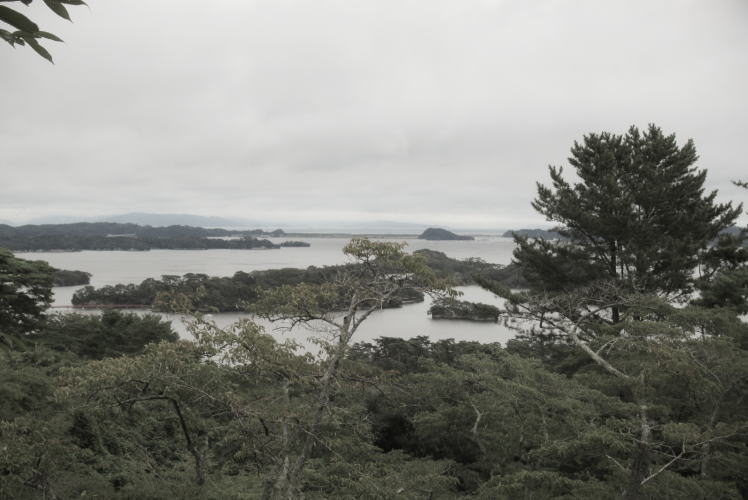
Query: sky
440	112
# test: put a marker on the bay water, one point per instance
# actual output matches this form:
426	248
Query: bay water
112	267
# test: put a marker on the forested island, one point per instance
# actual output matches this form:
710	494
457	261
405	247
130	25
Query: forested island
458	309
239	292
118	236
436	233
64	277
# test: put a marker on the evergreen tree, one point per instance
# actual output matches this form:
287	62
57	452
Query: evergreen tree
639	217
25	294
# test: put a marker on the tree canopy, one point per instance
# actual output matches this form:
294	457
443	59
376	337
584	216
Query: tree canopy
25	294
638	215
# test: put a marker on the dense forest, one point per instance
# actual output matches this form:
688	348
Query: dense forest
627	379
119	236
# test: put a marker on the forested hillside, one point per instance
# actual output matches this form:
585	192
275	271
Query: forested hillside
119	236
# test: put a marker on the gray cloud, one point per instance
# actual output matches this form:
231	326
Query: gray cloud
440	111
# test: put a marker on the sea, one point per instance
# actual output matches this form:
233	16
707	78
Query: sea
411	320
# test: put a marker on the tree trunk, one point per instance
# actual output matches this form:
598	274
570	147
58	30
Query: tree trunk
615	313
287	485
640	465
194	451
706	447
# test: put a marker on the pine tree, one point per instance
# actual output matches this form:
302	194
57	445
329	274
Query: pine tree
639	217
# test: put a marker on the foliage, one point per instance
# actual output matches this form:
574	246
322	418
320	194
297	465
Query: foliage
650	407
112	333
26	31
116	236
457	309
63	277
25	294
237	293
465	272
638	216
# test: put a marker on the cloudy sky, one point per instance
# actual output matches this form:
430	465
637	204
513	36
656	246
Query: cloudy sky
319	111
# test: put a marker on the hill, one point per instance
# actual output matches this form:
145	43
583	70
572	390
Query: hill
117	236
150	219
435	233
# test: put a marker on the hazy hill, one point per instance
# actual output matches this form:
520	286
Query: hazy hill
119	236
435	233
151	219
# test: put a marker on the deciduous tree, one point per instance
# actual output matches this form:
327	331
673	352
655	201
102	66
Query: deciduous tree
339	307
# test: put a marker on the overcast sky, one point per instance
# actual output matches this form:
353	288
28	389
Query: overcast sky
430	111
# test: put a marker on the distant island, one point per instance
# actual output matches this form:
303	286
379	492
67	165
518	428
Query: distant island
535	233
238	292
435	233
458	309
150	219
119	236
63	277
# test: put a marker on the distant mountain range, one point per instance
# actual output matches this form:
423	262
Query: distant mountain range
291	226
163	220
151	219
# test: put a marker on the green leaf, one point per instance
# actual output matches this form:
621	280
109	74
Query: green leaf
38	48
58	8
50	36
7	36
73	2
17	20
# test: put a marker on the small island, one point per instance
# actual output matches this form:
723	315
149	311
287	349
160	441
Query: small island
435	233
458	309
291	244
63	277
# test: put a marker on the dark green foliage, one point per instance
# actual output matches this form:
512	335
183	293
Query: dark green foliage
458	309
64	277
407	355
116	236
95	407
467	271
446	419
728	288
112	333
638	216
295	244
25	293
26	31
534	233
237	293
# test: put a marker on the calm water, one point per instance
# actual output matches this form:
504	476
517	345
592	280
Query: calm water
112	267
